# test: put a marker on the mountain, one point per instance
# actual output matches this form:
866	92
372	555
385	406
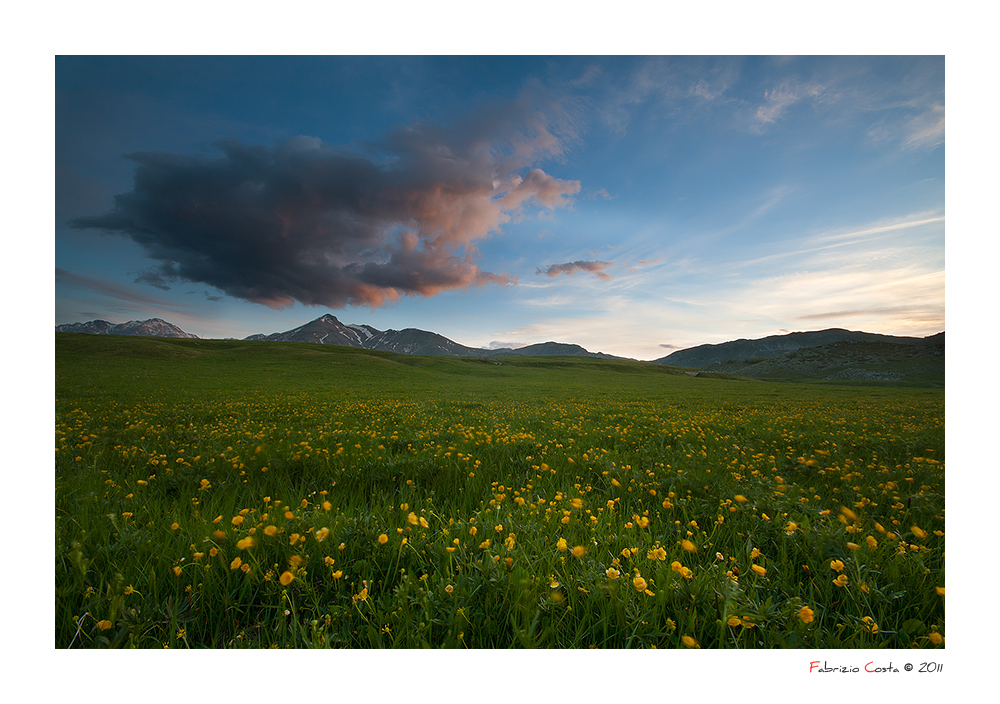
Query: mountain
840	356
154	327
328	330
774	345
325	330
550	349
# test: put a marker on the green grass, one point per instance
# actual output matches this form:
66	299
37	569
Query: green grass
161	443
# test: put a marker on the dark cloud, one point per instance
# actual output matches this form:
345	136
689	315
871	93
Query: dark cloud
592	267
303	221
668	346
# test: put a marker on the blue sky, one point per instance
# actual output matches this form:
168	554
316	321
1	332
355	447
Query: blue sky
632	205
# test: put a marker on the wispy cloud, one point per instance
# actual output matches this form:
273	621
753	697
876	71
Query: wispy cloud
779	99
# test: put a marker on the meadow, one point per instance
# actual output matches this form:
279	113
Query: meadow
229	494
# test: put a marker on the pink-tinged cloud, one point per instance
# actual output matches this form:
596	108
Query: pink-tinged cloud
304	221
569	268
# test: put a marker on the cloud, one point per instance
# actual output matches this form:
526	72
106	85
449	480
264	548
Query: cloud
668	346
779	99
304	221
593	267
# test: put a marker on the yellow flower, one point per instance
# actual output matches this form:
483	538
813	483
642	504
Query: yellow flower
806	614
383	539
235	564
485	544
869	624
689	546
613	573
219	534
104	625
271	531
327	505
758	569
872	543
579	551
175	526
921	535
293	538
296	560
338	574
689	642
245	543
322	534
473	530
449	589
639	583
286	578
561	544
853	546
498	528
733	621
934	637
213	551
412	519
237	520
841	581
836	565
791	527
940	591
755	553
423	522
657	553
740	499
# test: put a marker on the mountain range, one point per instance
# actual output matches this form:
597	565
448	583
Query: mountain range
834	354
154	327
328	330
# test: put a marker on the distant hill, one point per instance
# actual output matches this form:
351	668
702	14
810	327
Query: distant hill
827	355
154	327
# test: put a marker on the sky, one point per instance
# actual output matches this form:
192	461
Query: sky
634	205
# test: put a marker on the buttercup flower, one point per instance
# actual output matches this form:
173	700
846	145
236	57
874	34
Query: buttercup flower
579	551
806	614
639	583
837	566
869	624
286	578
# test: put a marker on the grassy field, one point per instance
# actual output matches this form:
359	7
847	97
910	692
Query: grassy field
232	494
